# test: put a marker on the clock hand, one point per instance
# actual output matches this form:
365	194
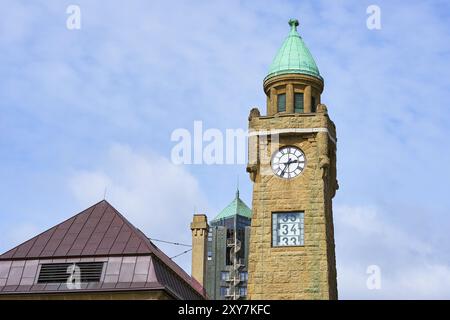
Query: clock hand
290	162
286	165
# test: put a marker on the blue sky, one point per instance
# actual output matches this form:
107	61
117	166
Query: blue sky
95	107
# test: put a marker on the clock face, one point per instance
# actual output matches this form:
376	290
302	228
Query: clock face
288	162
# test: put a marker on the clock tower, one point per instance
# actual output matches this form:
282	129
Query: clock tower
292	163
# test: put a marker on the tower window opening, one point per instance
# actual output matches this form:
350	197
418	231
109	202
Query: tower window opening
298	103
281	102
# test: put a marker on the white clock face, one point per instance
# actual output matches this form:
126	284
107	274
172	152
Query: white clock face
288	162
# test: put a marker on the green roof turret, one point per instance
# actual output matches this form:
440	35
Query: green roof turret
236	207
293	56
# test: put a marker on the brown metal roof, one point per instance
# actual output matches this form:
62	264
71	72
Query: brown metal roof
97	231
101	231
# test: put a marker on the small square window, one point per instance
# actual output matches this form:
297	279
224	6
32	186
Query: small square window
287	229
224	291
281	102
243	276
224	275
242	291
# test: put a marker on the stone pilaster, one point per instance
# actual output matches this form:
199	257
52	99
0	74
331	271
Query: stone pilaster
307	99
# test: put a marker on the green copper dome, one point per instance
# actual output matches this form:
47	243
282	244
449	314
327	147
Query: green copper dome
236	207
293	56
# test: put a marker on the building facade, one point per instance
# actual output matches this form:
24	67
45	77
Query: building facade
226	252
292	163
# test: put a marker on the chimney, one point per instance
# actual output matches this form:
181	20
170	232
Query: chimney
199	227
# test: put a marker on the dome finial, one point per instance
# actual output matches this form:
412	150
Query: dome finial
294	24
293	57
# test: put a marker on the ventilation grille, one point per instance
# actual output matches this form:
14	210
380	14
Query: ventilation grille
60	272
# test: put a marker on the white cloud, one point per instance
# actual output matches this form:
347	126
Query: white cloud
155	195
411	267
